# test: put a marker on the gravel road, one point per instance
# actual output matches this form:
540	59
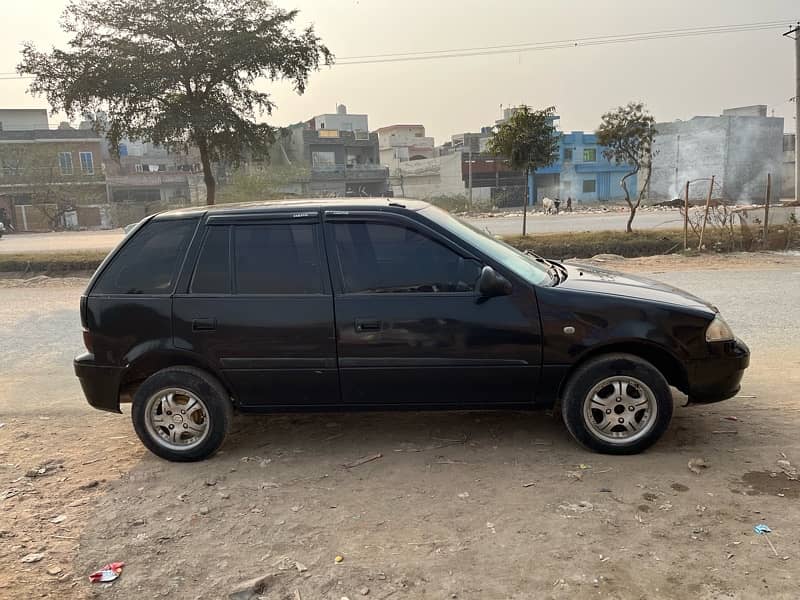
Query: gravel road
459	505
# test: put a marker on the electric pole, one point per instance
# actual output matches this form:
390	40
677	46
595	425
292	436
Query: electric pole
794	34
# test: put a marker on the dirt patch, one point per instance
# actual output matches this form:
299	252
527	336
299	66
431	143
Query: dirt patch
755	483
679	487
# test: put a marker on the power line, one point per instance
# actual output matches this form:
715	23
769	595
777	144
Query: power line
536	46
576	41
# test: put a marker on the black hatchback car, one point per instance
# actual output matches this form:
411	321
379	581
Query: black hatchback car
376	304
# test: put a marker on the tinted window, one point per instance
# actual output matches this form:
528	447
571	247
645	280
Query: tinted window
277	259
213	272
383	258
148	263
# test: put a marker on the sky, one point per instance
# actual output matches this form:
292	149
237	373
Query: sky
676	78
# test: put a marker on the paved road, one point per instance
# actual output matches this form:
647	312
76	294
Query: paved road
507	225
563	222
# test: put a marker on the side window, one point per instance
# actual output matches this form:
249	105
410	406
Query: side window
148	263
277	259
387	258
213	272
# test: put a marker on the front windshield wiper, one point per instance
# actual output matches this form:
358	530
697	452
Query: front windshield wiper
557	272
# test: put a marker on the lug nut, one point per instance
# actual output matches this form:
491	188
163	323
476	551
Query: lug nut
172	426
608	411
183	412
631	408
621	420
185	426
169	412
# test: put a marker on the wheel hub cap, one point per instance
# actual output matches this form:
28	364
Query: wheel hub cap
177	419
620	409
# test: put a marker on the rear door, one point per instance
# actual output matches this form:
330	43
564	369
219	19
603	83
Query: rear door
259	308
411	329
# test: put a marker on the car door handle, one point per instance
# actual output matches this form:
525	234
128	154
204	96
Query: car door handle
368	325
204	325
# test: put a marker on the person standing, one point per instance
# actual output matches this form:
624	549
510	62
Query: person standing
569	204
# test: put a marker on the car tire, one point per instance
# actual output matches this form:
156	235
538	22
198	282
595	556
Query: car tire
182	414
617	404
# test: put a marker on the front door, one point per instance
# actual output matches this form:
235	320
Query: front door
411	330
259	309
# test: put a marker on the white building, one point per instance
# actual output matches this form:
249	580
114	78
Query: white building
399	143
23	119
341	121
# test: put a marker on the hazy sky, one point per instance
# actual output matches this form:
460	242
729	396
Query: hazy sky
677	78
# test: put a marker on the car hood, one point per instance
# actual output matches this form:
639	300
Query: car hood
600	281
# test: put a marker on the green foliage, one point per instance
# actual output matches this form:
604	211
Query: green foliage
451	203
268	183
176	72
628	133
528	139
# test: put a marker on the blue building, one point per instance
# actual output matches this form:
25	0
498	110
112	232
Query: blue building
582	172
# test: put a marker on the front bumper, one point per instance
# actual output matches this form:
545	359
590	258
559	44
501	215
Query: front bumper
719	376
100	383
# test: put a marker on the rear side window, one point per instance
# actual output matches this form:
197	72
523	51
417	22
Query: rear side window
277	259
148	263
213	272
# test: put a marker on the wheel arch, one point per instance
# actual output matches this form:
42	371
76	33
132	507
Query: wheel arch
149	363
662	359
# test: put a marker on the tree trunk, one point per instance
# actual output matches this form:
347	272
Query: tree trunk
525	205
628	228
208	174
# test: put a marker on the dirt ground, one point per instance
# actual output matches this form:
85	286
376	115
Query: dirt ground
467	505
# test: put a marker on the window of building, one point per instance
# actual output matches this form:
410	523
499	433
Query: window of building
138	167
328	133
589	154
277	259
385	258
213	272
148	263
567	153
347	126
65	162
87	163
323	159
589	186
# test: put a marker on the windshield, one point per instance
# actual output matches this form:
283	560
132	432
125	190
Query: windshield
521	264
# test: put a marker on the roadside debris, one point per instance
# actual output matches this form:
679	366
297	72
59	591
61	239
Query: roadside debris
696	465
109	572
731	418
763	529
301	568
723	431
788	468
529	484
54	570
364	591
463	495
58	519
252	588
32	558
339	558
363	460
581	507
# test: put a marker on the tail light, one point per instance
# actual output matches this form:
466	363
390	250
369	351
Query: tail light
88	341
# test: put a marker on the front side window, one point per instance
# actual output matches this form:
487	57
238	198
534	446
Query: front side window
567	153
589	154
277	259
589	186
389	258
148	263
65	162
87	163
323	159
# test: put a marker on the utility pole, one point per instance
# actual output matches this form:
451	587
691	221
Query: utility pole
470	176
794	33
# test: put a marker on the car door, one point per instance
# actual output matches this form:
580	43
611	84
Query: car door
258	307
411	330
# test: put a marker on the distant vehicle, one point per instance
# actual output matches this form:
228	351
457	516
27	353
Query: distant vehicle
353	304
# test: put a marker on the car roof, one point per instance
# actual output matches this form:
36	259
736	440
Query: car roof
310	204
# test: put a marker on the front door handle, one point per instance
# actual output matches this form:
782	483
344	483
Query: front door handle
204	325
368	325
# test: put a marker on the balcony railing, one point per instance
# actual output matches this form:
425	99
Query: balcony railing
358	172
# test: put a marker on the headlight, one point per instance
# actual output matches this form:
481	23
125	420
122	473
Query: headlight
719	331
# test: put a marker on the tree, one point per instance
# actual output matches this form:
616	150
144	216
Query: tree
529	141
176	72
628	133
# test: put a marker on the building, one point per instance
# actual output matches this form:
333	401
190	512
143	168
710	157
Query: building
788	171
739	147
399	143
22	119
342	156
52	179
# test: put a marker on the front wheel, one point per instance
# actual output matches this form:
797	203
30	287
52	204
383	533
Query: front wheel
617	404
182	414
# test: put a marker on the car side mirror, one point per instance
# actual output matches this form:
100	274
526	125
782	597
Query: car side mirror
491	284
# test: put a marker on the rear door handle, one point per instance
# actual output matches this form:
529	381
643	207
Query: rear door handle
368	325
204	325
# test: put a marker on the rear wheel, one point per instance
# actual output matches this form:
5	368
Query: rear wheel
182	414
617	404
